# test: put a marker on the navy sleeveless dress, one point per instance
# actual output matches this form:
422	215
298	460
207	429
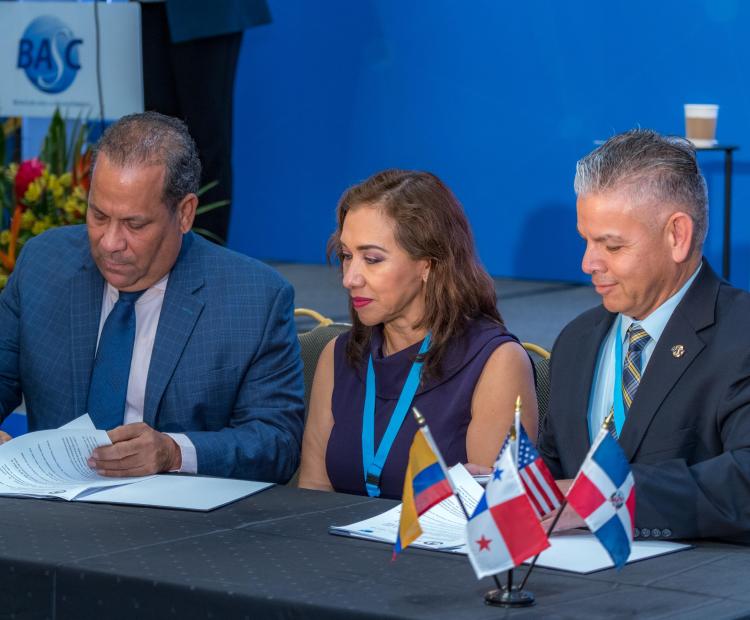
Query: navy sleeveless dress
444	402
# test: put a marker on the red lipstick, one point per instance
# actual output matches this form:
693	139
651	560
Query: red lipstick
360	302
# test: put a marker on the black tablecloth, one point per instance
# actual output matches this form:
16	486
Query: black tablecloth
270	556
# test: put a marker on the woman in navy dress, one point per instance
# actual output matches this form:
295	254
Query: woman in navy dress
425	332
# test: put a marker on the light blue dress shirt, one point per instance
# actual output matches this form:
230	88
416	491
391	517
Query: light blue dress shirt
603	385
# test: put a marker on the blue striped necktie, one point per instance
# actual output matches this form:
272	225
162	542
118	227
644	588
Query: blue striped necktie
109	379
638	338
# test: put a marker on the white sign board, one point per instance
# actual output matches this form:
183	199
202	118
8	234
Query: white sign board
48	58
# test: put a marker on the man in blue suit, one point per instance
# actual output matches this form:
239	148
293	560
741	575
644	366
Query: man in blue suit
214	381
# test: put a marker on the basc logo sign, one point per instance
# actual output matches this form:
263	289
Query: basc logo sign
48	53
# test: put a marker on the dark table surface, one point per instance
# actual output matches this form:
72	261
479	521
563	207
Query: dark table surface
270	556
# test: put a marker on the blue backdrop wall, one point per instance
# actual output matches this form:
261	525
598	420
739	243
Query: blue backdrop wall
499	99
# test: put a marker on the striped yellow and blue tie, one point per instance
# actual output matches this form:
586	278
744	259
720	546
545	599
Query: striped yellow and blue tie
638	338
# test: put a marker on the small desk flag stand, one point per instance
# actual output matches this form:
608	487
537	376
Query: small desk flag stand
422	425
605	424
510	595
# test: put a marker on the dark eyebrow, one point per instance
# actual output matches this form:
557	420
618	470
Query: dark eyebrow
371	246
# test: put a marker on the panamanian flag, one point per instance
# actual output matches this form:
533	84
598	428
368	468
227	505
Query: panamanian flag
603	494
504	529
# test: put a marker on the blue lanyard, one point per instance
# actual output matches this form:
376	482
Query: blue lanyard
373	463
617	403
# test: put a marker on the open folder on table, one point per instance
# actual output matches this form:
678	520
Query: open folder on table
53	464
444	525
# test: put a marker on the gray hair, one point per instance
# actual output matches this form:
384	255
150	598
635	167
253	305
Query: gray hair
150	139
652	169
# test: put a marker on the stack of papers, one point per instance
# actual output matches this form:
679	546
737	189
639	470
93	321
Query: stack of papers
53	464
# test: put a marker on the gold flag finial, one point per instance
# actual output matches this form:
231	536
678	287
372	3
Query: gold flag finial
608	419
517	420
418	416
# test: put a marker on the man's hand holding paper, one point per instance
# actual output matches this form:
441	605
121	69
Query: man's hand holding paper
136	450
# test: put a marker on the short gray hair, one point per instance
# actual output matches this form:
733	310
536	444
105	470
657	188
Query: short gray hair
150	139
651	169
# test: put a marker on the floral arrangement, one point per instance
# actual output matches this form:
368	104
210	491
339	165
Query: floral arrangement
44	192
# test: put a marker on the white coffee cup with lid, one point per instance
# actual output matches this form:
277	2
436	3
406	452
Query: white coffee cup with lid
700	123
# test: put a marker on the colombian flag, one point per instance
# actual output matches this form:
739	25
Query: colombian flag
425	485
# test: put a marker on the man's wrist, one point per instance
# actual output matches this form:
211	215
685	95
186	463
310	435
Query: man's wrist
175	462
188	462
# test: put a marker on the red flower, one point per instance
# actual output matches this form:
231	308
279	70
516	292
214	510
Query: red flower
82	170
28	171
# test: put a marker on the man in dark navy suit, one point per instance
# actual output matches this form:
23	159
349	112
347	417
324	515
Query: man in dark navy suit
684	346
190	51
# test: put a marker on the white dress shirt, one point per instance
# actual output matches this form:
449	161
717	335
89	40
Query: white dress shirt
604	376
147	312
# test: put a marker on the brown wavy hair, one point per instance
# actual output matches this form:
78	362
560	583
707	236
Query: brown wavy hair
430	223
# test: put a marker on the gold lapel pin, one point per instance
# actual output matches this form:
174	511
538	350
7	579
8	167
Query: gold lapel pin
678	350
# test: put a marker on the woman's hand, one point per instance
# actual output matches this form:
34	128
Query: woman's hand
478	470
4	437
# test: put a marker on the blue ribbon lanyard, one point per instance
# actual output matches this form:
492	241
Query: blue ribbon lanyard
617	404
373	463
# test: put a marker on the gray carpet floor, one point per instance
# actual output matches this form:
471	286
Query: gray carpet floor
534	310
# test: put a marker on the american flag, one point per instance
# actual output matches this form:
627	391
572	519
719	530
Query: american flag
537	480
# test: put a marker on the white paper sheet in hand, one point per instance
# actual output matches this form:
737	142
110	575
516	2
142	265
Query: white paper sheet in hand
53	463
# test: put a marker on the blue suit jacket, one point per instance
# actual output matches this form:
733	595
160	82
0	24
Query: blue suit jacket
225	367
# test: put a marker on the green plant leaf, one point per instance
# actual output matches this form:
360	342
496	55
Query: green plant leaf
209	235
53	150
79	132
211	206
206	187
3	154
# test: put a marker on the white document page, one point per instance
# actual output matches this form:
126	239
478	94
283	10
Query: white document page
442	526
52	463
579	551
183	492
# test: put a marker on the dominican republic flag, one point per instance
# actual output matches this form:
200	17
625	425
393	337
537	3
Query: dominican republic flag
504	529
425	484
603	494
537	480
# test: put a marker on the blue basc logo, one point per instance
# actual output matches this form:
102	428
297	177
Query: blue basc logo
48	53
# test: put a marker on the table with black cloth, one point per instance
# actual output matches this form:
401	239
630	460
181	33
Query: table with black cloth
270	556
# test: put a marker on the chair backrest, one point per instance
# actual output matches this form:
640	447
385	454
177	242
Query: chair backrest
312	344
313	314
540	357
